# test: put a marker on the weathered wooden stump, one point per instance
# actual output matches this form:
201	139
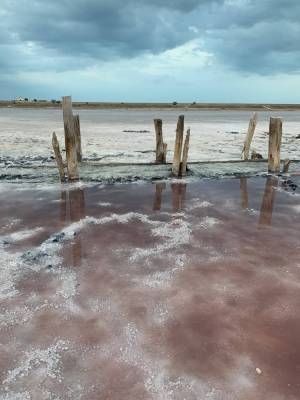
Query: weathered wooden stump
286	166
275	135
185	153
165	152
178	146
256	156
58	157
160	145
78	137
249	137
70	139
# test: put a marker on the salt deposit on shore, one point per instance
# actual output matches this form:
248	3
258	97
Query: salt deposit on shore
215	135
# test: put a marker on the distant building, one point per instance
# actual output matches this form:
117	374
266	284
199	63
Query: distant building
20	99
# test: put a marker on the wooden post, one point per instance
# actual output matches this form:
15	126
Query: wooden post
275	135
58	157
249	137
70	139
165	152
178	146
185	153
78	137
286	166
159	141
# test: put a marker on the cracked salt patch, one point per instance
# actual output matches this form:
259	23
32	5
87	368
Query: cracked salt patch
67	282
197	203
104	204
20	235
159	279
176	233
38	362
16	396
208	222
9	222
10	271
19	315
160	313
159	381
17	264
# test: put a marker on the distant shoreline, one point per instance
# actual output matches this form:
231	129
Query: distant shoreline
171	106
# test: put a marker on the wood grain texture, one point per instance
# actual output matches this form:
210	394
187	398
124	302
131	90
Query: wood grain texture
78	137
159	142
70	139
185	153
58	157
286	166
178	146
275	136
249	137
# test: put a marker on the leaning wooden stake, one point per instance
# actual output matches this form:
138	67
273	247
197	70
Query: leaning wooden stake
70	139
185	153
249	137
58	157
275	135
78	137
286	166
160	159
178	146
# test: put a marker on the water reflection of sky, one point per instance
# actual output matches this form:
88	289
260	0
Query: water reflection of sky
142	290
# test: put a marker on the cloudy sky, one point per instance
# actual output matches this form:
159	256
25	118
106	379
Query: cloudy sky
151	50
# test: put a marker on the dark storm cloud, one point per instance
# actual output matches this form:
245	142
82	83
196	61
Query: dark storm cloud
259	36
100	28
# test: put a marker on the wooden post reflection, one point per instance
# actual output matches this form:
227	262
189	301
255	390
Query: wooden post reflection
77	212
244	193
72	209
159	187
63	206
267	205
77	204
178	196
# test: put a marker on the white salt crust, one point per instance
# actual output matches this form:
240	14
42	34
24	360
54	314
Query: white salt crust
47	359
20	235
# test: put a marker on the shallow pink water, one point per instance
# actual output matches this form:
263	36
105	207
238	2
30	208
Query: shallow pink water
150	291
